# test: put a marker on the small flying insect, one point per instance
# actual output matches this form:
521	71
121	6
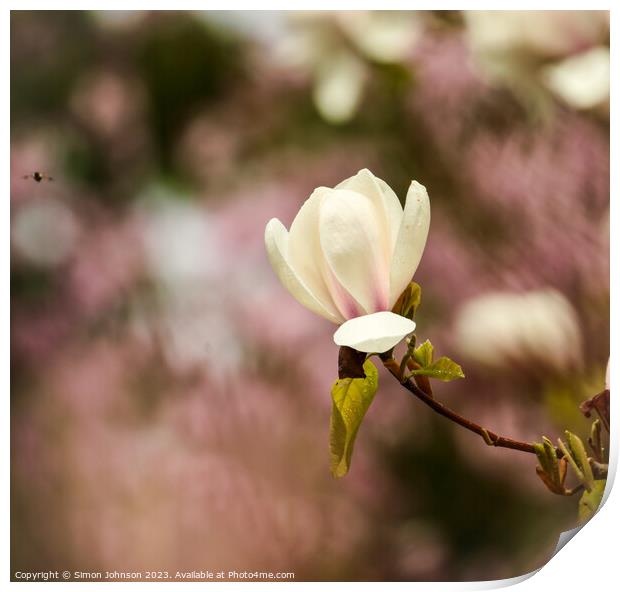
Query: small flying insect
38	177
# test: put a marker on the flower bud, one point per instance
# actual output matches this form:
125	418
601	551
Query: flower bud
350	253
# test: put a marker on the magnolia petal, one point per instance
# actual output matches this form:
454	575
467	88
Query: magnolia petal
348	306
351	243
374	333
389	210
394	211
304	250
276	238
581	80
338	87
411	239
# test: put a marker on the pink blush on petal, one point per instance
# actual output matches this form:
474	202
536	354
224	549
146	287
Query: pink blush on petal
381	302
347	305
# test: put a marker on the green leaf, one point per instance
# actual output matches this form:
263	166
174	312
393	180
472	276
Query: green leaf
409	300
546	456
579	453
351	399
575	454
415	297
551	471
539	449
569	457
590	500
443	369
423	354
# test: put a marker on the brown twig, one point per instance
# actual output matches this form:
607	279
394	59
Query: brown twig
491	438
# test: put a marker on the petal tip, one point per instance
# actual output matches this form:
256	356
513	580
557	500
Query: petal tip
418	188
273	230
272	224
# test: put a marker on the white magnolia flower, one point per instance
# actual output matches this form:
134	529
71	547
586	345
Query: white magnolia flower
545	33
350	253
501	328
565	52
45	231
581	80
338	86
336	48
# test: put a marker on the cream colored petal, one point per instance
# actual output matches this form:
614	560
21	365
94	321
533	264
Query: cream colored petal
351	241
388	207
411	239
393	210
384	36
304	250
276	238
374	333
338	87
348	306
581	80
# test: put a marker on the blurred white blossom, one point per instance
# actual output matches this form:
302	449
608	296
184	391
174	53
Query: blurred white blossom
582	81
497	329
336	47
179	241
546	33
530	51
383	36
338	86
45	231
183	257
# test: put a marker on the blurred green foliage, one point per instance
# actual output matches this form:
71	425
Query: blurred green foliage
185	65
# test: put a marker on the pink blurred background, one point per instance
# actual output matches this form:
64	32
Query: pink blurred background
170	401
